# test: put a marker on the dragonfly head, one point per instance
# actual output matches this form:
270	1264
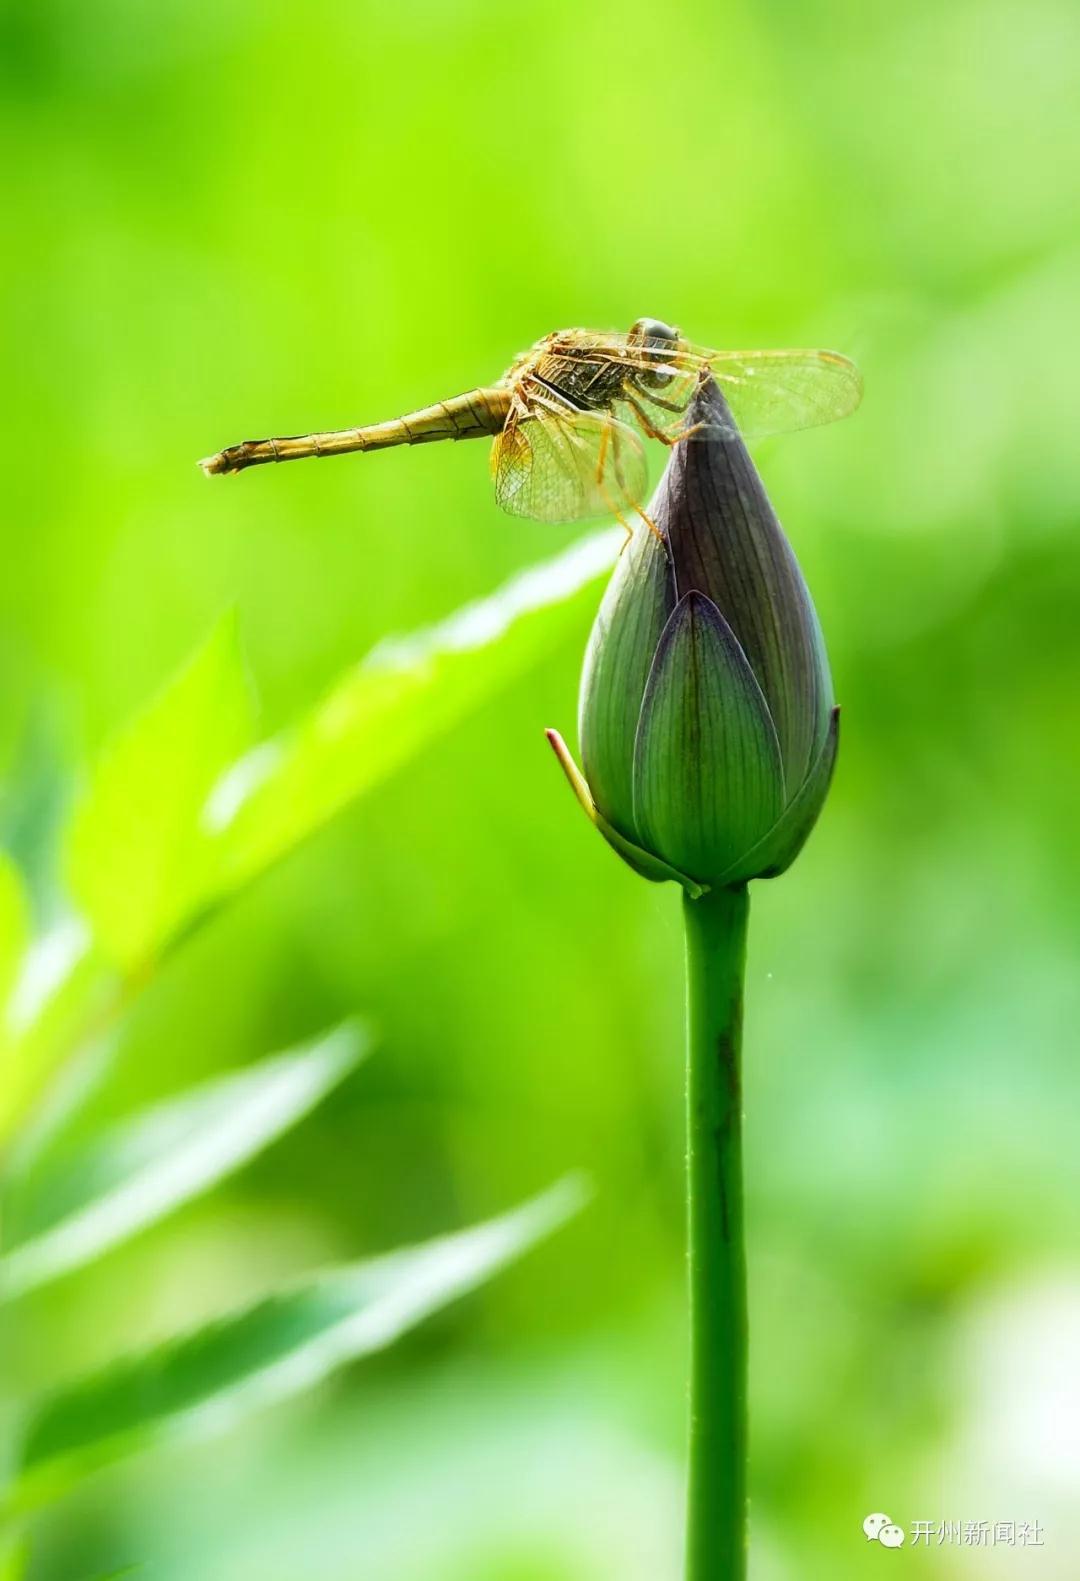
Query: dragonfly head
652	333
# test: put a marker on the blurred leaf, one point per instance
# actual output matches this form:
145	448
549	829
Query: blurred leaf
138	856
402	696
80	1206
14	923
115	1575
147	866
14	1558
206	1380
65	993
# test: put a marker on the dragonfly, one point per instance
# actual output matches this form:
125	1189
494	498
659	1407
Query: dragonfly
569	417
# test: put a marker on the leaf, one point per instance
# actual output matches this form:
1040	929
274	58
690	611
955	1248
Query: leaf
115	1575
65	993
13	924
139	860
14	1558
207	1380
149	1165
123	860
402	696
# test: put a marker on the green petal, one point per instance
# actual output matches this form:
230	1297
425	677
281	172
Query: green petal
633	613
775	853
708	780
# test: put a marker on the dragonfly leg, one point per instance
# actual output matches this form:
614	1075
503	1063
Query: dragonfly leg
629	531
646	421
617	513
691	430
601	454
653	398
616	459
653	528
613	507
672	436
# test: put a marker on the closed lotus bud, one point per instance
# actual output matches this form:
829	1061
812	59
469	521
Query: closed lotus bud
707	726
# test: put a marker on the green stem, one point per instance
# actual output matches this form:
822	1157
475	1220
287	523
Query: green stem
716	1508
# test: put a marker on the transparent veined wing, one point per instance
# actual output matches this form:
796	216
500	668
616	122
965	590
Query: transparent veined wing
555	463
768	392
776	392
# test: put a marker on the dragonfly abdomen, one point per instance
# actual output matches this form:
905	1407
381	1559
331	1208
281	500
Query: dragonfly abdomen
474	415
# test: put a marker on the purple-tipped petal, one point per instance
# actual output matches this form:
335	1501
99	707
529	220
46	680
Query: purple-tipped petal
726	542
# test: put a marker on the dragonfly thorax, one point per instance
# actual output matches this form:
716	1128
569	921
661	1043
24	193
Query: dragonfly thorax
590	385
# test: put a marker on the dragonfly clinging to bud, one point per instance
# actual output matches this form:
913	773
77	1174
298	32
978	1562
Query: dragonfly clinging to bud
568	416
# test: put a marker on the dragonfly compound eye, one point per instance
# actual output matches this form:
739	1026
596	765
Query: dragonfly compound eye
651	332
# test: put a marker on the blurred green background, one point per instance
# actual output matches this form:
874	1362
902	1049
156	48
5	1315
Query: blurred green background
229	219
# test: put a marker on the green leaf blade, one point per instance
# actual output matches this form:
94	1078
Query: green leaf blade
405	694
139	859
148	1166
205	1381
14	925
248	807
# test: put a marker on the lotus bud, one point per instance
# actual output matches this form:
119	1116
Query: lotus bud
707	726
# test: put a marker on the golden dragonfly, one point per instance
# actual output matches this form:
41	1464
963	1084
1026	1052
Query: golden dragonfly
569	415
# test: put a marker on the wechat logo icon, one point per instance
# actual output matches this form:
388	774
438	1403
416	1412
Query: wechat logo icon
881	1529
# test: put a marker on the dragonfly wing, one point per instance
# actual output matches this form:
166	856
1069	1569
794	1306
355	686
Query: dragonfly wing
768	392
556	463
776	392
